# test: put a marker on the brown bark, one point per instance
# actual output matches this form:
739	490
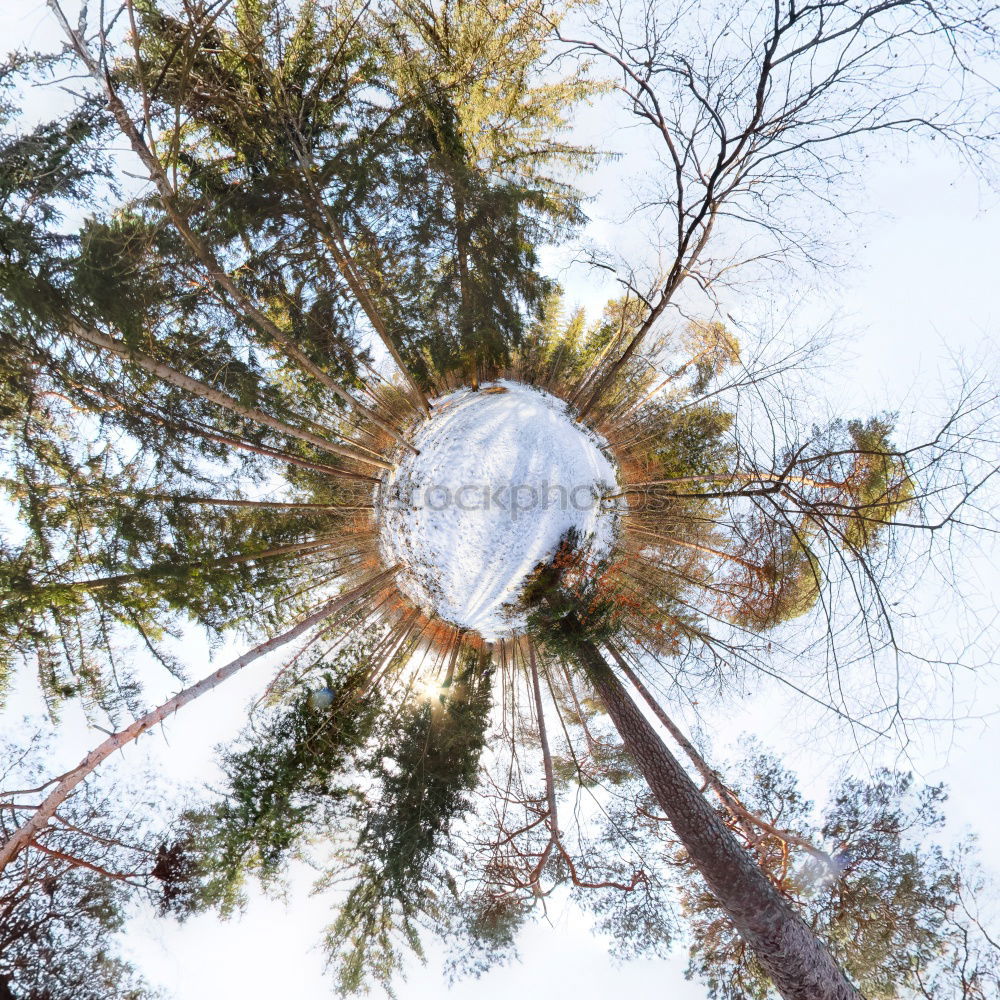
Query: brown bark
196	388
165	569
25	835
584	384
690	245
603	381
675	374
734	477
268	504
707	549
76	862
464	282
256	449
701	765
550	780
156	415
750	822
333	237
797	962
204	253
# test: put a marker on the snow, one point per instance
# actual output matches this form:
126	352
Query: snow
502	475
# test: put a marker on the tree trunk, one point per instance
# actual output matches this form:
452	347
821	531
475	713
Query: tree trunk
736	477
335	241
675	374
687	255
552	817
41	815
749	822
550	779
797	962
267	504
196	388
204	253
172	568
257	449
466	331
707	549
700	764
603	381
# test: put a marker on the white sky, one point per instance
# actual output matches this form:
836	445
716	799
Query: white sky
923	285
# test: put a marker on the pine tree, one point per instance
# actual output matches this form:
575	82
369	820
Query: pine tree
898	911
196	430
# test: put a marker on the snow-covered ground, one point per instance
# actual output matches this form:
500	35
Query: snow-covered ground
502	475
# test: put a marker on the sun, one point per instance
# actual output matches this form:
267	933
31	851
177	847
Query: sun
430	689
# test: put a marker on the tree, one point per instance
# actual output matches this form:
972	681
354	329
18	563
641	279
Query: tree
210	446
62	904
284	781
486	126
754	565
260	359
898	911
93	564
790	954
760	113
425	770
377	778
27	833
453	155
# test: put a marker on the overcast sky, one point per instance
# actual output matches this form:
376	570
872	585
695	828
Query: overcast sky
922	287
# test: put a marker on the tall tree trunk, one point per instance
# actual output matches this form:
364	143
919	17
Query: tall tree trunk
734	477
156	414
97	496
600	381
550	779
173	377
26	833
690	245
266	504
204	253
258	449
797	962
167	569
675	374
707	549
335	241
585	383
701	765
465	327
750	823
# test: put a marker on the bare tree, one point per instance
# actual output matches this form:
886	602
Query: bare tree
759	115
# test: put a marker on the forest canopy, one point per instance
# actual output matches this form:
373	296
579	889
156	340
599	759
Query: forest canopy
272	272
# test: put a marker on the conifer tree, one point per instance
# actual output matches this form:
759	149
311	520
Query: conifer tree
198	428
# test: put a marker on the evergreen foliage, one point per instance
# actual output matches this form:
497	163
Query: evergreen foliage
194	423
425	771
290	777
897	910
566	602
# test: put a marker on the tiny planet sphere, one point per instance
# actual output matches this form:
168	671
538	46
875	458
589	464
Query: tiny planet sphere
320	698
